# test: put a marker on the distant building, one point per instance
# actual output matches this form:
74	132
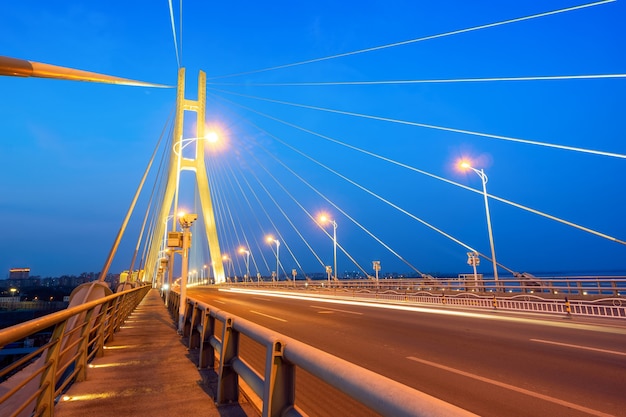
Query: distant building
19	273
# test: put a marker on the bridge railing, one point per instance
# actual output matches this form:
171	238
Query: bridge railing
276	387
579	286
542	298
41	357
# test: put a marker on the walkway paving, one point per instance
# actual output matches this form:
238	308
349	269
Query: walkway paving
147	371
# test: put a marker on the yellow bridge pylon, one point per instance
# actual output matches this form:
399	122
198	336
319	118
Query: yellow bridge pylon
177	164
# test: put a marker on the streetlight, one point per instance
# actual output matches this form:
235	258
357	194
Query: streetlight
484	179
203	273
325	219
474	261
210	137
243	250
226	258
376	266
270	239
185	220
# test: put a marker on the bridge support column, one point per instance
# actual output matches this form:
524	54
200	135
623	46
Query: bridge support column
196	164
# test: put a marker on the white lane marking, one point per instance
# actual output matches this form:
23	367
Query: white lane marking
219	301
336	309
267	315
613	352
260	298
512	388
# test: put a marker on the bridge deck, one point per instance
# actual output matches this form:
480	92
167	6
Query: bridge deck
146	370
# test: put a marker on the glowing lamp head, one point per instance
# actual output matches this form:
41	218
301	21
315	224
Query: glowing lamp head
269	239
464	165
211	137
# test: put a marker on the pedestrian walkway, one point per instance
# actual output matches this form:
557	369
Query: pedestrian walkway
146	371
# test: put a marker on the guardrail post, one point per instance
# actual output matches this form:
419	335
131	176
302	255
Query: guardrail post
227	379
81	360
206	358
280	382
188	308
194	337
45	401
100	324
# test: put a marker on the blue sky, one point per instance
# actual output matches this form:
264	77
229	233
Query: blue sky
72	153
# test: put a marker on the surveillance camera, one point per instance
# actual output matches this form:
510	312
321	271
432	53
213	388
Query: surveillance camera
187	219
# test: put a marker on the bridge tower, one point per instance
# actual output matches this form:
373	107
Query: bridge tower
196	164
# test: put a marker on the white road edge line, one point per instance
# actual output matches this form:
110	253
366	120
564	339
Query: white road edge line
513	388
267	315
336	309
613	352
218	301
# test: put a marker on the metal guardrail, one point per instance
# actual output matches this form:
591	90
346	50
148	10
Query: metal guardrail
32	382
277	386
603	307
579	286
582	297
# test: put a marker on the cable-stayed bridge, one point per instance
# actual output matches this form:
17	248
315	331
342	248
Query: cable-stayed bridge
378	152
370	134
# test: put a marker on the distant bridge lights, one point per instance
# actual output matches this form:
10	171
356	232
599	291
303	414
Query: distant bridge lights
323	219
270	239
464	165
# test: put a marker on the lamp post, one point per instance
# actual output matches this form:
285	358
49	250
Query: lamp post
270	239
243	251
226	259
203	273
484	179
376	266
474	261
325	219
185	220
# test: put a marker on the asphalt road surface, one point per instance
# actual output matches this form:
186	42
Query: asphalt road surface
491	363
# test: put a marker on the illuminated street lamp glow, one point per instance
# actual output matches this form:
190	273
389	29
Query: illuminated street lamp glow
211	137
483	177
229	263
323	218
270	239
242	251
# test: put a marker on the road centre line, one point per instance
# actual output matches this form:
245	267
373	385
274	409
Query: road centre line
613	352
336	309
512	388
267	315
219	301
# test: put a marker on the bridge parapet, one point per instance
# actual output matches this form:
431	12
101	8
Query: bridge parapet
276	385
34	378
